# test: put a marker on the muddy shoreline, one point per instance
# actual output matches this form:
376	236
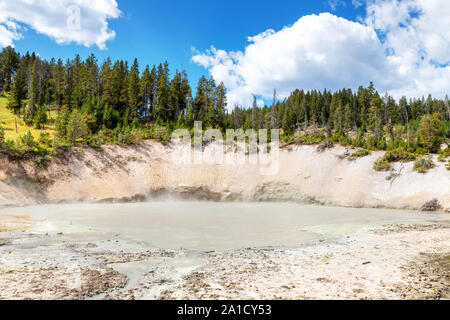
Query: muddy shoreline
392	262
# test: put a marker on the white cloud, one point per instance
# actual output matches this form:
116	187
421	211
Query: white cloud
417	33
84	22
8	33
317	52
324	51
336	3
357	3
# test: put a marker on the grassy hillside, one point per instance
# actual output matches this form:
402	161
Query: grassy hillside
8	121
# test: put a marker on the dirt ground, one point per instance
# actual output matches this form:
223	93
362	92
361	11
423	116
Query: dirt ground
395	262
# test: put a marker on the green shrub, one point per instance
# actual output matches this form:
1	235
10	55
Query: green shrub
443	155
160	133
302	140
422	165
345	141
382	165
77	128
2	135
399	155
40	118
446	128
42	162
359	141
26	148
371	143
360	153
44	138
28	140
129	136
381	144
431	132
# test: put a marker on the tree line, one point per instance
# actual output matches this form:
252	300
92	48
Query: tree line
115	99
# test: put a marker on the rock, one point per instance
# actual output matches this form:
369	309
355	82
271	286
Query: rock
133	199
279	192
433	205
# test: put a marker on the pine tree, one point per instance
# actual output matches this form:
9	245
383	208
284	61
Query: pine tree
62	121
9	63
34	87
147	83
162	93
338	118
185	95
348	119
77	97
203	104
190	115
333	107
57	83
288	118
18	90
76	127
134	90
106	81
68	83
430	132
40	119
174	95
110	118
92	77
376	115
220	105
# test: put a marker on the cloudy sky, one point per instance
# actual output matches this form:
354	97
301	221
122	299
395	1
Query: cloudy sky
252	46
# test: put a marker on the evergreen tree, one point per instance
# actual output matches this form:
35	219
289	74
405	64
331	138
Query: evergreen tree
34	87
220	105
76	127
147	84
162	111
430	132
40	119
19	89
106	82
376	116
91	74
174	103
204	101
57	82
348	119
134	90
9	62
61	122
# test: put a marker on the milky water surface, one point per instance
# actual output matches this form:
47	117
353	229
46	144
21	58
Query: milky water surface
217	226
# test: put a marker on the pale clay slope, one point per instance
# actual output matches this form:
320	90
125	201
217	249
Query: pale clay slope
304	172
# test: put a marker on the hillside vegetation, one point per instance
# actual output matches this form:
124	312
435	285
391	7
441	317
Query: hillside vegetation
8	121
59	104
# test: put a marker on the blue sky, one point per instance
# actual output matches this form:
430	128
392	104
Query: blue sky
155	31
403	46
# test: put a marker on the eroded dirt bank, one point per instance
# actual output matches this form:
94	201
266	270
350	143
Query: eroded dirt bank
119	173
